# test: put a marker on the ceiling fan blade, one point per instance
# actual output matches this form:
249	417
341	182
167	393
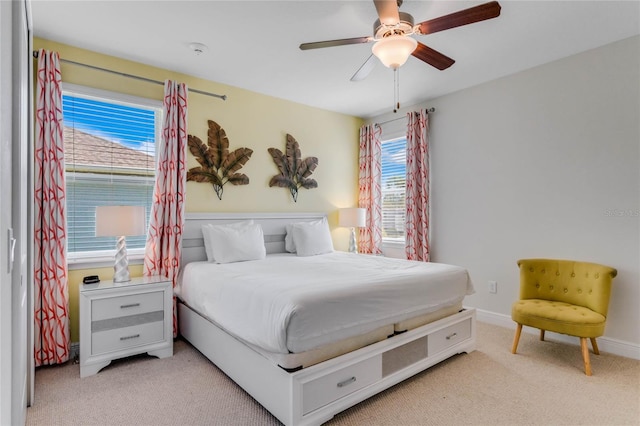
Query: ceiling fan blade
432	57
463	17
387	11
332	43
365	69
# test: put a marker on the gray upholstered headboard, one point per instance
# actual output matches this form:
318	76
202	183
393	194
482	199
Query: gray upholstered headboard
273	226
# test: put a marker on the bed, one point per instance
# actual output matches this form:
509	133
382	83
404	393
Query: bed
333	335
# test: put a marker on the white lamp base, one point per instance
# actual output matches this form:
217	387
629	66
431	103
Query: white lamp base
353	246
121	267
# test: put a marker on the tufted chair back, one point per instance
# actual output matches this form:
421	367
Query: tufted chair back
577	283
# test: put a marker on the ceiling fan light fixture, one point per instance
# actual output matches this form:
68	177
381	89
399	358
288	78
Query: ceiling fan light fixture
393	51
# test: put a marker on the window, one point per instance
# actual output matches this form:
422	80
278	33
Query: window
109	143
393	184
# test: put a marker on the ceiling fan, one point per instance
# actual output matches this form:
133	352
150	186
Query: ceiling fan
393	32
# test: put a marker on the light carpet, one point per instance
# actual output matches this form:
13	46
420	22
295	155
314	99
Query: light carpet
544	384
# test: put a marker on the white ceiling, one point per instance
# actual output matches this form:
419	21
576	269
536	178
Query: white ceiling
254	44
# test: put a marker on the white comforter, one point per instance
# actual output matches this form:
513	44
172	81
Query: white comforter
287	303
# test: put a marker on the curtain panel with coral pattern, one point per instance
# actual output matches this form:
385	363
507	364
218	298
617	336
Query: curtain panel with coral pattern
164	237
51	292
417	190
370	193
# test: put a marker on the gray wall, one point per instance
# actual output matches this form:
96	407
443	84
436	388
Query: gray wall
543	163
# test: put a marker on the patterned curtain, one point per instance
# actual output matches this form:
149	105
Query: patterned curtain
370	193
417	195
51	292
164	239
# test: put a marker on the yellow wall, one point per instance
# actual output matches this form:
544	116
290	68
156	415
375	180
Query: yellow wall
250	120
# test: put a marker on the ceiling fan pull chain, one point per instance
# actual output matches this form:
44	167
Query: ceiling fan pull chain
396	89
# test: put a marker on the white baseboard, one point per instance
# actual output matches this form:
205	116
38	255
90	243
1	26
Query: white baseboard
605	344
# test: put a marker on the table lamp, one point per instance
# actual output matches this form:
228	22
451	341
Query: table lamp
120	221
352	217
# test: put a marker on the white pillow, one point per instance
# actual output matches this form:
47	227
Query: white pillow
237	244
208	237
289	245
312	238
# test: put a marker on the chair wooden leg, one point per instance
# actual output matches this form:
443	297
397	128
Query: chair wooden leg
595	346
516	339
585	356
542	335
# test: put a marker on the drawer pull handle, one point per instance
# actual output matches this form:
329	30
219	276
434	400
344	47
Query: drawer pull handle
130	305
347	382
133	336
451	336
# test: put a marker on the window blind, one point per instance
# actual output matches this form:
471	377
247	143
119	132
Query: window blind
109	160
393	185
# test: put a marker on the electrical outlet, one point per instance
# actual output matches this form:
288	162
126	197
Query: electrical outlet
493	287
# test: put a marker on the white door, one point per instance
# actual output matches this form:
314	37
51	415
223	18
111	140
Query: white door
21	346
14	210
6	231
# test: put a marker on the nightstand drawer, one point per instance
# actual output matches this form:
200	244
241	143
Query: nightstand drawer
134	304
127	337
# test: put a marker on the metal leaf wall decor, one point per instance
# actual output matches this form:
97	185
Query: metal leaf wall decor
294	171
218	166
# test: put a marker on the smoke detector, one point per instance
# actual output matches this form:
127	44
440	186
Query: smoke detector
198	48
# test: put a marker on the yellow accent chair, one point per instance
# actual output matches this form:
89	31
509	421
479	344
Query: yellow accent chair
564	296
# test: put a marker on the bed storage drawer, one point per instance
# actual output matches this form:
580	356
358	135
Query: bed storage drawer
333	386
449	336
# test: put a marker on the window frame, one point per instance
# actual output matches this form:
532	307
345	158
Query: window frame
104	258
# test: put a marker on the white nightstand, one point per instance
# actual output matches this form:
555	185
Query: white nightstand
123	319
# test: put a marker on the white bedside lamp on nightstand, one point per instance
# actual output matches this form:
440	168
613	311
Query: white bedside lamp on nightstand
120	221
352	217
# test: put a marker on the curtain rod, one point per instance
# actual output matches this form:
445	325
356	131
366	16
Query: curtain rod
400	118
148	80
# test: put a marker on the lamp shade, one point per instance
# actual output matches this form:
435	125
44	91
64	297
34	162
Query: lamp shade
117	221
352	217
393	51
